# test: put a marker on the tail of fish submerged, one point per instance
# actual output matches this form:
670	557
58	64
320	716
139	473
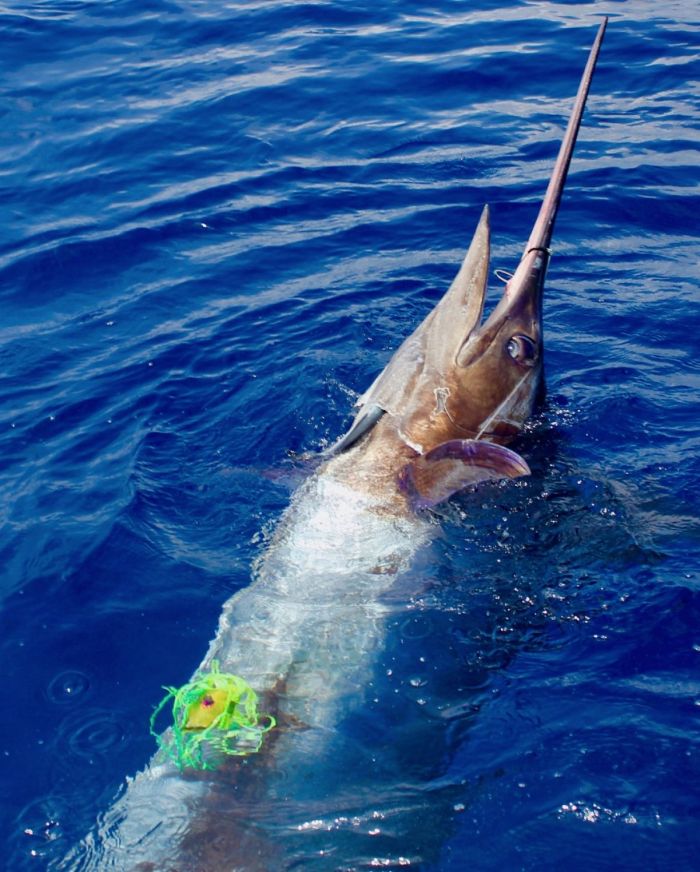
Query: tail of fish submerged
304	634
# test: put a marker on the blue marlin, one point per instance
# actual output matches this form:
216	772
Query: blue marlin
305	633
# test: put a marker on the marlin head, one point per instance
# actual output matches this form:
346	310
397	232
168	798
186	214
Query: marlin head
459	378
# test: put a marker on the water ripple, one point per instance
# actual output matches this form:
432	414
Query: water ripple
221	219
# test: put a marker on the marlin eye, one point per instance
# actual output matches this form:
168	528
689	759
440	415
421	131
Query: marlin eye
522	349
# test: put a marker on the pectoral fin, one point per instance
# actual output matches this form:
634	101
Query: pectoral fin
454	465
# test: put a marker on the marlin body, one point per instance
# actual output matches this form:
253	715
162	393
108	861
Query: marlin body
305	633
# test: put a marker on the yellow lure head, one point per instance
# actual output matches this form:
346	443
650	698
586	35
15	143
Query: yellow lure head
203	712
214	714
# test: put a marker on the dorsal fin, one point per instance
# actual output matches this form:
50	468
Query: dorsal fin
431	350
434	345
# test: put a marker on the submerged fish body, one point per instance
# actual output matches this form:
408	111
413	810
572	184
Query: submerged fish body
305	633
313	617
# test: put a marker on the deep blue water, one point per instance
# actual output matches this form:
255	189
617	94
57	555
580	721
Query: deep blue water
220	219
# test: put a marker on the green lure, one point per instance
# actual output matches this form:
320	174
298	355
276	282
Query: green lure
215	710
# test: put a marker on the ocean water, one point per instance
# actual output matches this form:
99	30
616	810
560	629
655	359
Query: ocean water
220	218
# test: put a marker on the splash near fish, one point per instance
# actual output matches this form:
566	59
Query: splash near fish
214	714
